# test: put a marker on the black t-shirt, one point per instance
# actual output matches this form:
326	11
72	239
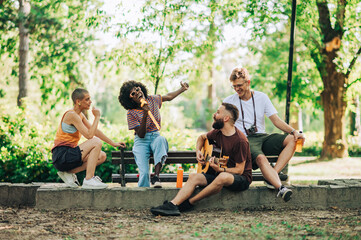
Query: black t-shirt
236	147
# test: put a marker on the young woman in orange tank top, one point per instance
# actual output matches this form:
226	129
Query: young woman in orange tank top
69	157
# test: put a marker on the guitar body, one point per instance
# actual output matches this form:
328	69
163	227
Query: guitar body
206	150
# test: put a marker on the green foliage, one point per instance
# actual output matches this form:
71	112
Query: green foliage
60	35
24	153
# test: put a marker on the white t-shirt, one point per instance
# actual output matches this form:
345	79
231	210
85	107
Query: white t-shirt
263	106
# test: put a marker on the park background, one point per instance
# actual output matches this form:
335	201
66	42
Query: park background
48	48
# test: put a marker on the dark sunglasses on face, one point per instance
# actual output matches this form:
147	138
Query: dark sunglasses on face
135	91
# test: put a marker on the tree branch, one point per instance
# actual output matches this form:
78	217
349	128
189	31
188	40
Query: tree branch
340	16
324	19
352	64
349	85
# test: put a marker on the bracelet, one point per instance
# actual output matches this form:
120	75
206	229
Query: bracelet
224	169
292	132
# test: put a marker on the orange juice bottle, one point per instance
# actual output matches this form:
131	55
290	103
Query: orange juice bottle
299	144
180	177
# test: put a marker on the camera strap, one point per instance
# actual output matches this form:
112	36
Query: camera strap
254	110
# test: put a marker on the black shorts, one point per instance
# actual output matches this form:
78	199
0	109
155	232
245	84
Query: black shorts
66	158
240	183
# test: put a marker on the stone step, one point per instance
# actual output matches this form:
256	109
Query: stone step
55	196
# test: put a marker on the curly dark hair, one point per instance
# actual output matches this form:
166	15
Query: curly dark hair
124	95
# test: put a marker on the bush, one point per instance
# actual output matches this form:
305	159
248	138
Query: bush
24	152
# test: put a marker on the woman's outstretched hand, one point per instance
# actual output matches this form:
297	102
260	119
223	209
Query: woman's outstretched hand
184	86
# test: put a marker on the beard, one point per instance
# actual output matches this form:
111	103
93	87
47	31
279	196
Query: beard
218	124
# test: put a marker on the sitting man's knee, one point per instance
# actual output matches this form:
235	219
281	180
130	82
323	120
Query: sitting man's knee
192	176
222	178
289	140
195	178
261	160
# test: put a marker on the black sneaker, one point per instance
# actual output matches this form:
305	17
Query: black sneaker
285	193
167	209
185	206
156	182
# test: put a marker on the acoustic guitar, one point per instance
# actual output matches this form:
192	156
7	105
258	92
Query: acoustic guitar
208	151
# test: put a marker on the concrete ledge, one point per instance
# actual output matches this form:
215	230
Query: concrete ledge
55	196
18	194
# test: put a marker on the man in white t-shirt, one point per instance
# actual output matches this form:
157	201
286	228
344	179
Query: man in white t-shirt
253	106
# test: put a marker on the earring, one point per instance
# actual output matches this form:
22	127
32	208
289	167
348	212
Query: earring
79	104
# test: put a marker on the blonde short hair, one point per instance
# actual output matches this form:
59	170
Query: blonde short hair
239	73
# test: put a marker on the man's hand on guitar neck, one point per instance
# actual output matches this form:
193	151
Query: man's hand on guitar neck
214	165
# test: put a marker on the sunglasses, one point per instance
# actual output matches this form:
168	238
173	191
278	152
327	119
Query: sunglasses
135	91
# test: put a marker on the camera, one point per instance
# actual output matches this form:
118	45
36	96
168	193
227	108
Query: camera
252	130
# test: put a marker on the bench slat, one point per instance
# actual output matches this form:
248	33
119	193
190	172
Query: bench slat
151	160
172	177
129	154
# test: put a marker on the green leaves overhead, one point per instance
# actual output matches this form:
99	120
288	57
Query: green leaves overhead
60	35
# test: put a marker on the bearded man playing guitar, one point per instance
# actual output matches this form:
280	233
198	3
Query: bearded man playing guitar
236	176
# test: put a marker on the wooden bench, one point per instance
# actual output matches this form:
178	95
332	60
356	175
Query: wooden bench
122	158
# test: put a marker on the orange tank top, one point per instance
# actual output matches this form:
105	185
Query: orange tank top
66	139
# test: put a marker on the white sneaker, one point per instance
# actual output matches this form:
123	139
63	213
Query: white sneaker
94	183
69	179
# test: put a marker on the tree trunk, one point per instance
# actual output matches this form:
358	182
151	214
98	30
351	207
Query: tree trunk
24	10
334	107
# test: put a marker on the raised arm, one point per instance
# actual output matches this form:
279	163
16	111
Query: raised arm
170	96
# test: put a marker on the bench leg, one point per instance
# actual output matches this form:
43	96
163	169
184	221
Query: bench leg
122	169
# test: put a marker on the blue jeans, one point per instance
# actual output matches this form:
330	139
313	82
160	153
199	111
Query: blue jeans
142	148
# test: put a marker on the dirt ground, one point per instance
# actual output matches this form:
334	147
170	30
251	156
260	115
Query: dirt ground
333	223
28	223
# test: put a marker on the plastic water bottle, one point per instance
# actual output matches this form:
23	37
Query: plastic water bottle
180	177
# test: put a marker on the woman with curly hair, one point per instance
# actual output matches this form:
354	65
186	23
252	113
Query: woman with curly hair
141	109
